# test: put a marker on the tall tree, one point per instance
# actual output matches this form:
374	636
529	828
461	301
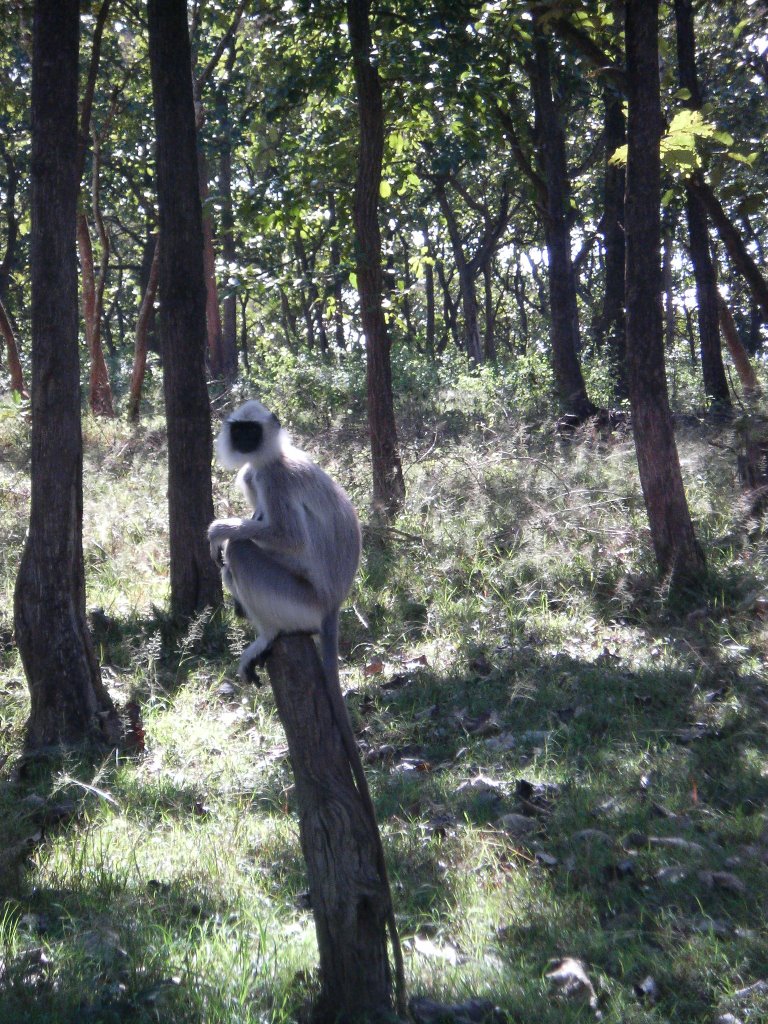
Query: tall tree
69	703
713	371
611	328
388	484
14	363
470	267
99	388
195	580
557	215
678	554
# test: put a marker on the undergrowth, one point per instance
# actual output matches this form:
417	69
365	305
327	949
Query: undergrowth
565	762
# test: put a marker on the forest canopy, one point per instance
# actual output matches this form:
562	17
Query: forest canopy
475	97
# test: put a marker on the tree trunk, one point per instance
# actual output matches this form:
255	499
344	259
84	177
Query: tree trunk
195	581
739	354
212	312
69	703
472	342
14	364
490	315
228	247
733	242
388	484
678	554
99	389
338	276
350	899
429	294
612	324
713	371
564	330
142	329
450	319
10	188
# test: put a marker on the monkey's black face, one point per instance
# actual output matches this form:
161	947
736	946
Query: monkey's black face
245	435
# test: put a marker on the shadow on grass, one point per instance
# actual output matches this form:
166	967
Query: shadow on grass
646	791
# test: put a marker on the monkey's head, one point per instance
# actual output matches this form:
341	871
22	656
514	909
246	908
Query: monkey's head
251	434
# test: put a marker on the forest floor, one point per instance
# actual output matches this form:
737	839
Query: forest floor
570	770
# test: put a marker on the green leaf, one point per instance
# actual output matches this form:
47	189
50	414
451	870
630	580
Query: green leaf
619	157
353	279
385	190
667	198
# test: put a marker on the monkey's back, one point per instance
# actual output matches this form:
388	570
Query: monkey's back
330	542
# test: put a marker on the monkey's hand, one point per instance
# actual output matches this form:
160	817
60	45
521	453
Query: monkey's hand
219	532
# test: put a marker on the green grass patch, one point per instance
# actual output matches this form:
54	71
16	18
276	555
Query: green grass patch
564	763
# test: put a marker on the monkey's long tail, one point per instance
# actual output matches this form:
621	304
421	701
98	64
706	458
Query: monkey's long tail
329	655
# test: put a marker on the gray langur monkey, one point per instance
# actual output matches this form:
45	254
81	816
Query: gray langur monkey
290	567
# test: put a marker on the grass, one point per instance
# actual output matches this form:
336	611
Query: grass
564	763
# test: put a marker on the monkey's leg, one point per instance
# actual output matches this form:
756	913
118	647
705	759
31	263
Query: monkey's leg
274	599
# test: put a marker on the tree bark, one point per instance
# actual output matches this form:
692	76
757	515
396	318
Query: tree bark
141	340
612	324
99	389
678	555
564	330
388	483
350	900
733	242
713	371
337	287
195	581
14	364
10	188
228	247
739	354
212	312
69	703
472	341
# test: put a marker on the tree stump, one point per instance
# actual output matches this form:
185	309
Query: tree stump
350	900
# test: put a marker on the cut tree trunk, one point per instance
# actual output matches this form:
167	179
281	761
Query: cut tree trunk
678	555
350	899
69	703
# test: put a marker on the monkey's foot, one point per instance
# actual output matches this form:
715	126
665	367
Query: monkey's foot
254	656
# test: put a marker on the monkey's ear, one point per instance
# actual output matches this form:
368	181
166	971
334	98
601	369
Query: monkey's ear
245	436
276	421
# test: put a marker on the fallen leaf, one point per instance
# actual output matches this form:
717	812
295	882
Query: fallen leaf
571	980
481	784
722	880
374	667
756	988
647	990
518	824
426	947
675	843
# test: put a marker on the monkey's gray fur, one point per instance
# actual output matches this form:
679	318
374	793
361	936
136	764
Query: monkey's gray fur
290	568
291	565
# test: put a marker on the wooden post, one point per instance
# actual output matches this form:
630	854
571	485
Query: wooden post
350	900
